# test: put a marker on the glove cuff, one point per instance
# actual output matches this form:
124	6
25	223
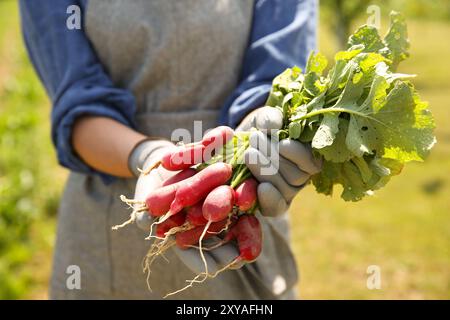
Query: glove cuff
142	151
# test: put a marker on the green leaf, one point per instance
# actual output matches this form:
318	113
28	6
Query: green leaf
362	137
396	39
294	86
367	61
308	133
368	37
326	132
384	169
404	125
312	84
275	98
362	119
286	108
317	62
345	174
296	72
397	126
364	169
282	81
349	54
295	129
383	70
340	74
327	177
352	182
287	98
317	103
283	134
297	100
352	91
337	152
300	111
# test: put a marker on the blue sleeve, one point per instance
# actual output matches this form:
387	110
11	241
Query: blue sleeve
72	75
283	33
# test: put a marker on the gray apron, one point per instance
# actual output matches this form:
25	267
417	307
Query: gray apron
181	59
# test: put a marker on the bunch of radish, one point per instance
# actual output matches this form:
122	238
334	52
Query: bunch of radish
212	195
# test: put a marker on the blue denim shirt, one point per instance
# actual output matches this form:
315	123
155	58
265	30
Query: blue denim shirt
283	33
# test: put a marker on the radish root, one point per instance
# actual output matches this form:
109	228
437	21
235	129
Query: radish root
159	247
205	273
226	267
156	249
215	246
149	169
201	251
130	203
129	221
159	221
225	228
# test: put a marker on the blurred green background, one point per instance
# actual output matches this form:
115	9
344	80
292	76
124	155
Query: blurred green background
404	229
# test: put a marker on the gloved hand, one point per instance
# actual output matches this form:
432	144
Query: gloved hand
144	155
281	167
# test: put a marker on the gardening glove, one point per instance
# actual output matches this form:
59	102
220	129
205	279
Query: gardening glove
146	154
282	167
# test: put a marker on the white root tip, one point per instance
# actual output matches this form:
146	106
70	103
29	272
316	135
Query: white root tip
156	249
205	273
149	169
129	221
225	228
184	288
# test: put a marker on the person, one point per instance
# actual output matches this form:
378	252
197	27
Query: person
120	85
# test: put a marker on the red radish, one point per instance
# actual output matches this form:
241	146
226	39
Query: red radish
173	222
179	158
183	157
248	234
214	139
246	194
218	136
249	238
158	201
195	188
182	175
218	203
186	156
190	237
194	215
217	206
230	233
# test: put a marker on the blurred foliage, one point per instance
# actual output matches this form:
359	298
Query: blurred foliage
404	228
341	14
421	9
30	181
